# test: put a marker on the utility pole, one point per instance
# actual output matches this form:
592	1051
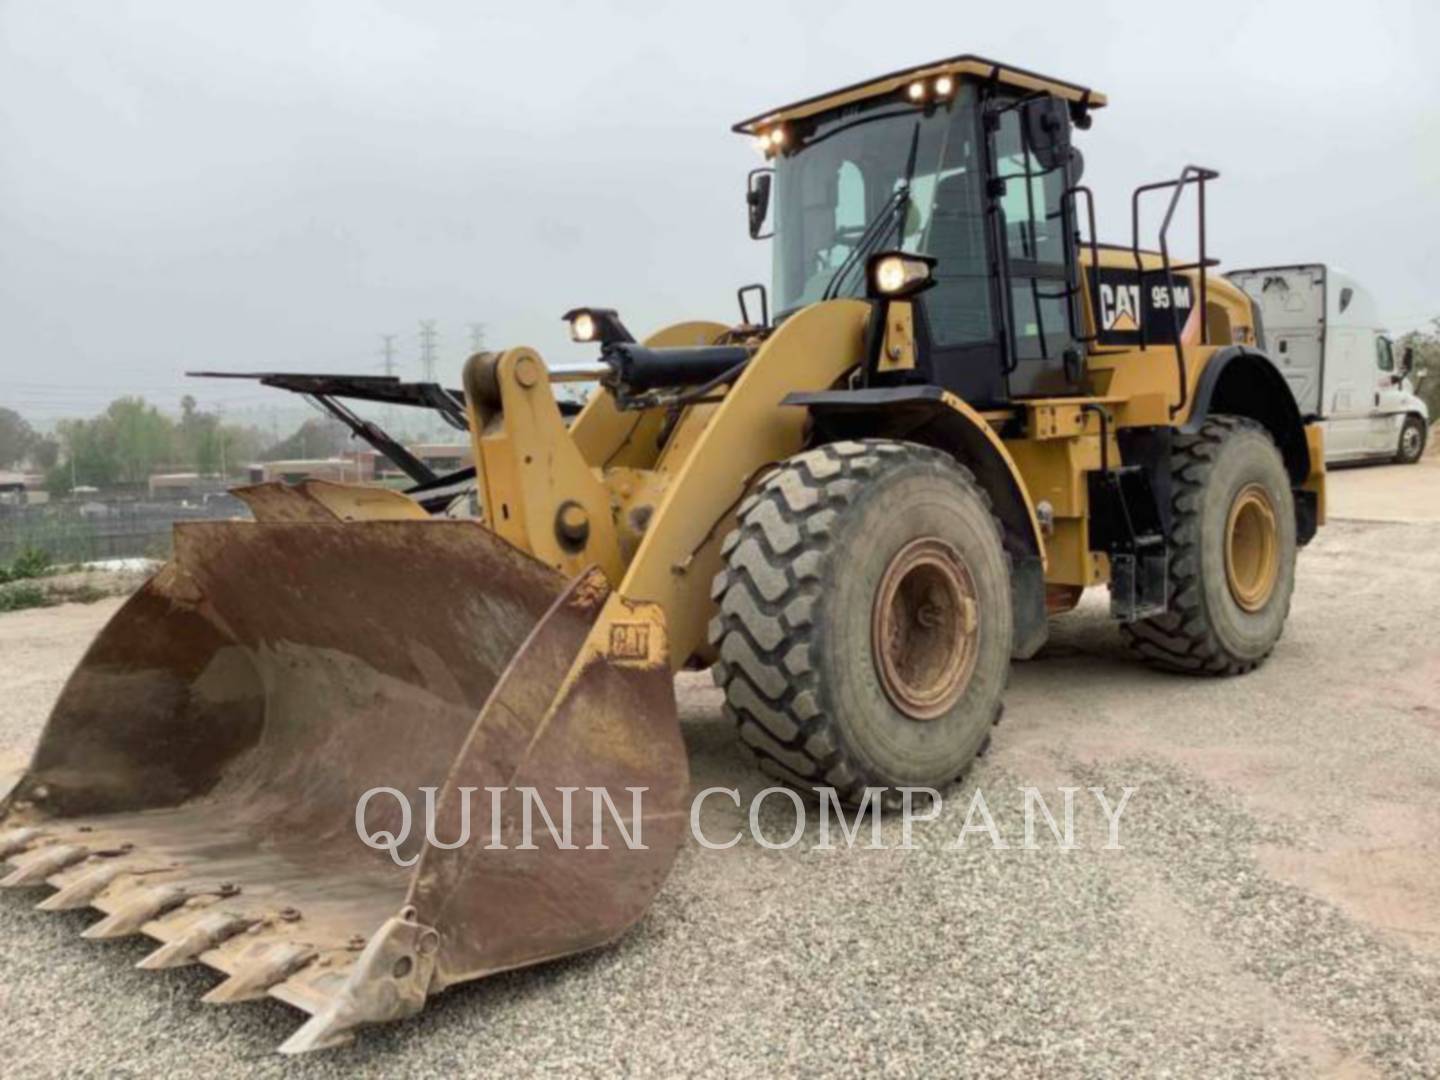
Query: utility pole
477	337
429	339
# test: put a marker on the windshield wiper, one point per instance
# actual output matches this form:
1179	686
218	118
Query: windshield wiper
879	226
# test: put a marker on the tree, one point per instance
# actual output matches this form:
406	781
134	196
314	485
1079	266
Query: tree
143	437
16	438
45	452
315	438
1426	374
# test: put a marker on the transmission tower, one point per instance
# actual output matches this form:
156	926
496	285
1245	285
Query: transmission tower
477	337
387	353
429	342
387	364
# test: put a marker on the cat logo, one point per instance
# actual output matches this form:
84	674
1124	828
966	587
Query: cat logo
629	641
1120	307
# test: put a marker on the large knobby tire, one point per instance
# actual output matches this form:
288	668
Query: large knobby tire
864	624
1232	553
1411	447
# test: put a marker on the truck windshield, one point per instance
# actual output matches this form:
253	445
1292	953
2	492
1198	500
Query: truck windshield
849	167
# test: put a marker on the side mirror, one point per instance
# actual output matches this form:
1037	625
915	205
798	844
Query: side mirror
1407	360
1047	130
757	199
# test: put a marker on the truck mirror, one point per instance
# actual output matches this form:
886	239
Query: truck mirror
1047	131
1407	360
757	199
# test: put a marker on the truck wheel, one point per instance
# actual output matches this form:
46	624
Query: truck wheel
864	624
1232	553
1412	441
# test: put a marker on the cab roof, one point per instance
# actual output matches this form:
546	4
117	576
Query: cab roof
961	66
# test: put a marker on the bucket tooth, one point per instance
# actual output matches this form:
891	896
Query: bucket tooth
14	841
84	889
48	861
135	910
204	934
389	981
253	979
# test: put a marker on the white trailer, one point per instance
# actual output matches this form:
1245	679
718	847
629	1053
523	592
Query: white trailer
1322	329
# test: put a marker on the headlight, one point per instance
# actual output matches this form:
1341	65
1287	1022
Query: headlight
582	327
896	274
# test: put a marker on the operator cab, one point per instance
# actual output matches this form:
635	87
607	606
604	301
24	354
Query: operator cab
967	162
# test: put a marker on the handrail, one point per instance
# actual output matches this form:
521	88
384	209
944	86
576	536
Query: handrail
1191	174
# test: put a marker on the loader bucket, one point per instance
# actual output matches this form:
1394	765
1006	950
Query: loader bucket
199	778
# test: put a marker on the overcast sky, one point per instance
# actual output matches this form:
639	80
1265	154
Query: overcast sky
263	185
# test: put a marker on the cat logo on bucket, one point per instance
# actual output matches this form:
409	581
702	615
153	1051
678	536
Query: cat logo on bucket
630	641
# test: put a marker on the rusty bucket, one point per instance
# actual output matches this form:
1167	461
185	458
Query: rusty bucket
203	777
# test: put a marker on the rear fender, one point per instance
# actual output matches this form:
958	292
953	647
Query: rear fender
1238	381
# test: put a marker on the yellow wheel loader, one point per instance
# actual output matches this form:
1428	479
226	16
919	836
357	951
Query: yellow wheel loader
964	411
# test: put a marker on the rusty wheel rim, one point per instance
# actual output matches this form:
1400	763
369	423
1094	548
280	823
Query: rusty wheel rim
925	628
1252	548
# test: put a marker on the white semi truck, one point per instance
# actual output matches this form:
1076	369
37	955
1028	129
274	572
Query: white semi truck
1323	330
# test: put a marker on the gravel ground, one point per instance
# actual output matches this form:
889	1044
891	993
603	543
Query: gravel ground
1274	909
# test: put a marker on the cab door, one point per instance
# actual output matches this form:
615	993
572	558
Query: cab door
1036	241
1389	412
1349	392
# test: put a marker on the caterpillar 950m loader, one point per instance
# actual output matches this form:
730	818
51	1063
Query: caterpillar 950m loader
963	413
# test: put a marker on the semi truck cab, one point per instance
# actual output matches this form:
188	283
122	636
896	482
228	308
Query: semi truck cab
1323	330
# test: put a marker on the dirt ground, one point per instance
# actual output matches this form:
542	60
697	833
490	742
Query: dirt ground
1274	908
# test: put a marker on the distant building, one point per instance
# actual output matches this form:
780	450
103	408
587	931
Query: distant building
440	458
184	485
22	489
363	466
346	470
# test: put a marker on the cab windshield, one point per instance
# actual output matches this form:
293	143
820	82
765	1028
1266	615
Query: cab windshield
851	165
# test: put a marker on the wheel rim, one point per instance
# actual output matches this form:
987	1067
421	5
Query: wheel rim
925	628
1410	441
1252	548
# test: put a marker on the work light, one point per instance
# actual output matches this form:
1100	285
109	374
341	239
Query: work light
895	274
596	324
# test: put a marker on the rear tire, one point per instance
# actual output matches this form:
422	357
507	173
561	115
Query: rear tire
1232	553
864	624
1411	447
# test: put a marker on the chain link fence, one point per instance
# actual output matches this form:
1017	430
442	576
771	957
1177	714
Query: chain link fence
75	532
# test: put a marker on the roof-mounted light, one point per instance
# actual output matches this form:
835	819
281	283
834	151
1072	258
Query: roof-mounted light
944	86
916	91
771	142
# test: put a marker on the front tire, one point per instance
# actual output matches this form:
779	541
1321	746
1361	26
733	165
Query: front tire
1232	553
1411	447
864	627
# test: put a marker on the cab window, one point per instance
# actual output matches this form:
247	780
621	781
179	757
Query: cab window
1384	356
